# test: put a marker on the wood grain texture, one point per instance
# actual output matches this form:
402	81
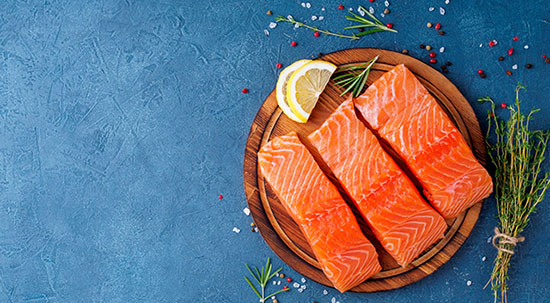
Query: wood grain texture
283	235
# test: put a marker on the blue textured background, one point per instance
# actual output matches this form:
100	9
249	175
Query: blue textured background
122	121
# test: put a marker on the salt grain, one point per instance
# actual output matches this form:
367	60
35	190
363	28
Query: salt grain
256	229
526	46
246	211
303	4
382	15
296	25
323	9
515	66
300	290
351	9
442	49
361	11
303	280
278	282
447	1
325	292
481	45
483	259
442	11
308	5
431	9
386	3
469	283
273	298
277	275
333	300
321	18
274	282
371	10
313	18
289	17
296	285
303	287
235	229
489	240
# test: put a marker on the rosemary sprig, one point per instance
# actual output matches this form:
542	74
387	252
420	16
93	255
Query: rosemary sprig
291	20
262	277
517	155
377	25
352	78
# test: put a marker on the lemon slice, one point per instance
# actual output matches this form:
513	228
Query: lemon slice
284	76
306	85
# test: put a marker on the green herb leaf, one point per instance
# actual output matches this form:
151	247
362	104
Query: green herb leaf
262	277
314	28
351	80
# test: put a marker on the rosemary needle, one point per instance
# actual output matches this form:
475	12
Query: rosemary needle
353	78
262	277
291	20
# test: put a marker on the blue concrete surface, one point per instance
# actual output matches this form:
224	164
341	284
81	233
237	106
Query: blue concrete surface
122	121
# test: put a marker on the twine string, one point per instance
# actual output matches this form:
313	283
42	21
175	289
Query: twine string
505	239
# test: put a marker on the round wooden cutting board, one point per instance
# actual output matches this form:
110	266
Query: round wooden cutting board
283	235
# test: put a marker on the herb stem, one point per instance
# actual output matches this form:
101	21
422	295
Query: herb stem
314	28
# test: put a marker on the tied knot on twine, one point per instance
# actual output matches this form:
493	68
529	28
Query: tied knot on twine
505	239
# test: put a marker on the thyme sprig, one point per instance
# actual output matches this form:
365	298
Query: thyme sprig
262	276
375	24
517	155
352	78
291	20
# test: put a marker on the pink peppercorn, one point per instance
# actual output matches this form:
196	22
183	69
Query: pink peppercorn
289	279
220	197
480	71
515	38
279	65
285	287
371	1
492	43
316	34
438	26
510	51
244	91
340	7
432	54
293	43
503	105
389	25
433	60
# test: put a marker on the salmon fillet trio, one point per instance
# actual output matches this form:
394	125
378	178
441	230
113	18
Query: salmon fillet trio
404	114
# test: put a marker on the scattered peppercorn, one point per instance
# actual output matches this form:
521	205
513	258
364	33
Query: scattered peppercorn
221	196
529	65
285	288
515	38
422	46
252	224
428	47
441	33
483	76
501	58
281	275
371	1
361	29
275	301
269	13
503	105
244	91
289	279
448	63
438	26
510	51
405	51
492	43
480	71
509	73
316	34
445	70
547	60
279	65
253	230
340	7
433	61
386	11
320	54
432	54
429	24
389	25
293	43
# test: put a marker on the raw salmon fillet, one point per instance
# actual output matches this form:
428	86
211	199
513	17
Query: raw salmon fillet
401	220
404	113
346	256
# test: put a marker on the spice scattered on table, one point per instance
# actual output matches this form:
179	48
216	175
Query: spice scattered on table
547	60
293	43
289	279
510	51
428	47
442	49
528	66
442	33
515	38
509	73
269	13
448	63
279	65
503	105
422	46
501	58
442	11
220	197
433	61
340	7
432	54
316	34
469	283
244	91
484	258
492	43
405	51
386	11
438	26
429	24
246	211
236	230
515	66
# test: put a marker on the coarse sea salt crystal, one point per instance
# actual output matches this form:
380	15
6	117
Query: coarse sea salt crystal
273	298
266	32
351	9
303	280
469	283
323	9
431	9
325	292
386	3
303	287
313	18
382	15
484	258
300	290
256	230
447	1
278	282
371	9
235	229
361	11
290	17
526	46
246	211
481	45
296	25
321	18
274	282
489	240
277	275
515	66
333	300
442	11
442	49
303	4
308	5
296	285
